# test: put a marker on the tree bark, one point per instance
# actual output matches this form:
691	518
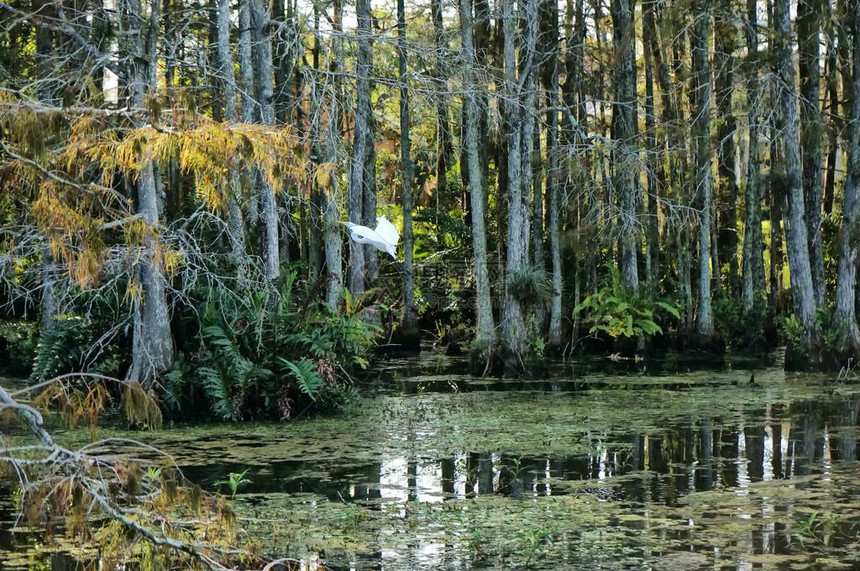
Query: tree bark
361	137
331	214
624	134
443	135
702	129
725	43
406	172
753	283
808	31
236	223
246	62
551	85
284	38
212	55
652	236
797	243
485	334
316	247
845	316
520	123
152	345
264	90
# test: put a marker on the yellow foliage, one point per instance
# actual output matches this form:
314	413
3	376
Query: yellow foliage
133	291
324	173
206	150
73	235
72	189
140	406
169	260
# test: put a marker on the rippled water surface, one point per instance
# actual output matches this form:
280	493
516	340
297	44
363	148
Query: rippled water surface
595	467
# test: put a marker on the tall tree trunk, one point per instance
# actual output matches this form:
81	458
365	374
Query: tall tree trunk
668	113
624	134
845	316
44	48
808	31
362	135
316	247
797	243
833	125
236	224
264	90
246	62
725	43
578	184
702	129
486	146
550	83
281	47
682	148
282	53
331	214
152	346
652	236
409	317
535	181
212	55
485	334
368	213
775	184
520	123
753	262
443	135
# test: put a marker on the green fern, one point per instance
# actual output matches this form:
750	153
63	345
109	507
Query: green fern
233	377
307	378
249	344
217	391
61	347
616	312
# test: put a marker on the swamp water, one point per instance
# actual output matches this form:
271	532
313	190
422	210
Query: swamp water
437	470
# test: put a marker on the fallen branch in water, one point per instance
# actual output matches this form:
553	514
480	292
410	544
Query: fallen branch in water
124	486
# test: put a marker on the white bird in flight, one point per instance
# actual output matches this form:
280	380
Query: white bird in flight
384	238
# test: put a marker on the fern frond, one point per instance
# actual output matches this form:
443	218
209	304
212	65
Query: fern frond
307	378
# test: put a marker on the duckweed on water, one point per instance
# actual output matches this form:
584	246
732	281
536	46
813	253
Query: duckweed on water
714	529
514	423
696	470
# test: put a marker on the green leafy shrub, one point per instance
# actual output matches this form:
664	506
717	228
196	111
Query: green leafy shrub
616	312
793	329
18	342
69	345
269	354
61	347
531	285
738	328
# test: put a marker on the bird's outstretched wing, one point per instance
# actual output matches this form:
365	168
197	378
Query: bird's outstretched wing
387	231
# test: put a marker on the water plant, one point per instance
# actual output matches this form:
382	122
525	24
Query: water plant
234	480
352	517
616	312
533	539
267	354
818	527
119	499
